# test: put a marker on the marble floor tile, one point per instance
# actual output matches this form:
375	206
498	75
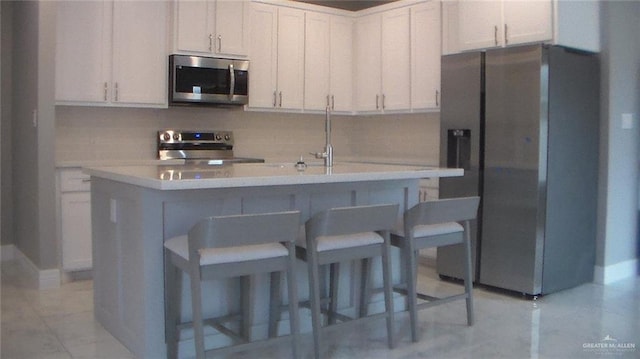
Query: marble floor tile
59	324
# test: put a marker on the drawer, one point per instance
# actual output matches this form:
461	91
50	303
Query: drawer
73	180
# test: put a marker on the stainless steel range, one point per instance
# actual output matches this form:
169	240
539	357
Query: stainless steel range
199	147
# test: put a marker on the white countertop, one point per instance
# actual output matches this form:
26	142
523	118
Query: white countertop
180	177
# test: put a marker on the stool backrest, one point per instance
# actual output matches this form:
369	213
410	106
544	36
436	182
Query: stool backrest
245	229
442	211
349	220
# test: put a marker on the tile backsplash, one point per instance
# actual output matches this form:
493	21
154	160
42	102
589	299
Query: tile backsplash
96	133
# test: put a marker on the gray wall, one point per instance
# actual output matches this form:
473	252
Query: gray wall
6	210
33	72
618	223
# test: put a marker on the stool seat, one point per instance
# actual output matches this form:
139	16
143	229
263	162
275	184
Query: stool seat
428	230
328	243
180	246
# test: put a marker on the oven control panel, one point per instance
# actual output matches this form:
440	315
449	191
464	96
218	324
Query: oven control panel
178	136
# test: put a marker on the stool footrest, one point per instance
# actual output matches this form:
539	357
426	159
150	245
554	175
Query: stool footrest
341	317
246	346
437	301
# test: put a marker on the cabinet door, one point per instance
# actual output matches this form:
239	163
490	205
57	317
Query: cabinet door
76	230
139	52
527	21
193	26
425	55
480	24
396	57
290	58
263	53
368	57
341	64
316	66
231	28
82	52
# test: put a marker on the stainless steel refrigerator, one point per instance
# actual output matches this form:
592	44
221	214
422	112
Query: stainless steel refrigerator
523	123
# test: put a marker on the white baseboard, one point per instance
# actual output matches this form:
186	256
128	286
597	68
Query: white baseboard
7	252
38	278
616	272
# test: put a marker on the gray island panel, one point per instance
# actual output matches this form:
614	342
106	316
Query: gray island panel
134	210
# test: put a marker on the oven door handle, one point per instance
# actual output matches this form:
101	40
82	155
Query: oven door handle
232	85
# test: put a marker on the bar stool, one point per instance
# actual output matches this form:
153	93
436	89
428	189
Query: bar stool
341	234
224	247
434	224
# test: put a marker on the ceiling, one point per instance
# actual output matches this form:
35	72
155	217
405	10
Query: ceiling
351	5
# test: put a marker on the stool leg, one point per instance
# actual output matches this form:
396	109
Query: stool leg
365	273
388	289
468	279
314	296
294	318
246	284
274	304
410	255
172	293
334	277
196	305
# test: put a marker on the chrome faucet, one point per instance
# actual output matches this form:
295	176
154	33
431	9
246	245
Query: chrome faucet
328	149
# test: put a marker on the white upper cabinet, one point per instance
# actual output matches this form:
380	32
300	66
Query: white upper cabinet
212	27
477	25
491	23
396	60
527	21
425	56
368	75
277	57
341	64
480	24
111	53
328	62
317	66
290	58
139	53
383	55
82	51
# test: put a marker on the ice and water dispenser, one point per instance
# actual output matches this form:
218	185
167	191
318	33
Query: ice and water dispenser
459	148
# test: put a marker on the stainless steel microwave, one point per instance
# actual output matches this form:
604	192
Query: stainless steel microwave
208	81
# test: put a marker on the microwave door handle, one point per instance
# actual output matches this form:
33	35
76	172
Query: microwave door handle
232	85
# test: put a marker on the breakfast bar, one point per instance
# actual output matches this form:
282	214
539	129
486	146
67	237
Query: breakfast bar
136	208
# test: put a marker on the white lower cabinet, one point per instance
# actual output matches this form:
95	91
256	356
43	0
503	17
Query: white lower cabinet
75	220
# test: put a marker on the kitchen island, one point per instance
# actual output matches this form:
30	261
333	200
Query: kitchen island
136	208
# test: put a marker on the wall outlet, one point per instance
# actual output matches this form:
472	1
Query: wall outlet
627	121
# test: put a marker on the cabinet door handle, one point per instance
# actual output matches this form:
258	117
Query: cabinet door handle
328	103
275	96
377	100
219	43
495	35
506	36
383	98
106	88
333	102
280	99
437	98
210	42
116	87
86	180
